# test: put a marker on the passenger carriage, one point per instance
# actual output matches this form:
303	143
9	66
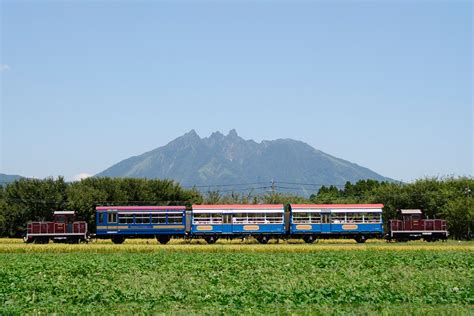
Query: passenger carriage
357	221
121	222
236	221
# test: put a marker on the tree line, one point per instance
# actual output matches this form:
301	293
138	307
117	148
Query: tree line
32	199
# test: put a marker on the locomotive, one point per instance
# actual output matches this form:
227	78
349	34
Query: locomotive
63	228
412	226
308	222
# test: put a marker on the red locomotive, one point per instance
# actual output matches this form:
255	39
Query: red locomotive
64	228
412	226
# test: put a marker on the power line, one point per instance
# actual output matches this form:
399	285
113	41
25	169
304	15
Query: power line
312	184
223	185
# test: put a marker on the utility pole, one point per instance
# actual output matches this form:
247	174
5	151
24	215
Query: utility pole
273	186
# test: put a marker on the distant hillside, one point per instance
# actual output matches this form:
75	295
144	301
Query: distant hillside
228	160
7	178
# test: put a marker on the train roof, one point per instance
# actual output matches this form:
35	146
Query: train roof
236	208
410	212
140	208
239	207
64	212
336	206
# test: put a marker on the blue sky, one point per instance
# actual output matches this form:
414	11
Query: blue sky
385	84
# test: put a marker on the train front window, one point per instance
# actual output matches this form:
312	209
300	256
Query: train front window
101	217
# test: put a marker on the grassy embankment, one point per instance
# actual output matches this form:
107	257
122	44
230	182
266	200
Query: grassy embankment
329	277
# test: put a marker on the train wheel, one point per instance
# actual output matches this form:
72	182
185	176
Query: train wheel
360	239
118	239
211	239
309	239
401	240
163	239
41	240
28	240
73	241
263	239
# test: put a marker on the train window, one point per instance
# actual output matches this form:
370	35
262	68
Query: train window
125	218
301	218
338	218
201	218
274	218
60	218
372	218
142	218
227	218
240	218
158	219
175	218
256	218
101	217
207	218
112	218
307	218
315	218
216	218
354	218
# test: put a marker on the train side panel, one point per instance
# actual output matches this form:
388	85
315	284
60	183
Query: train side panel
358	221
234	221
121	222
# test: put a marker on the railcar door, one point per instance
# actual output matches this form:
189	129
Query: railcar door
69	221
325	222
428	224
59	224
316	221
227	223
112	220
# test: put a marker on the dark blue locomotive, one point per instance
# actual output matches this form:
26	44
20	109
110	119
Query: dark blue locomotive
264	222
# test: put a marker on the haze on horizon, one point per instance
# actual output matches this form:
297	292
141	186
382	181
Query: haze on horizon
386	85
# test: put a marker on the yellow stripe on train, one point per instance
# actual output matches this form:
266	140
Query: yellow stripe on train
349	227
304	227
201	227
169	226
251	227
112	227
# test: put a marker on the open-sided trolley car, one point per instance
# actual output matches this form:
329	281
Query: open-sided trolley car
322	221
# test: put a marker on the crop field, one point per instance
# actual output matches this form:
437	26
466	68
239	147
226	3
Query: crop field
331	277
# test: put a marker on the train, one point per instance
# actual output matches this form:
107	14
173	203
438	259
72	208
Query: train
263	222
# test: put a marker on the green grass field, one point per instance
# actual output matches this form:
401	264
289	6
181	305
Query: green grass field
329	278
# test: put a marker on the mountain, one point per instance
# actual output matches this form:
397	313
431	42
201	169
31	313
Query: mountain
7	178
237	164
